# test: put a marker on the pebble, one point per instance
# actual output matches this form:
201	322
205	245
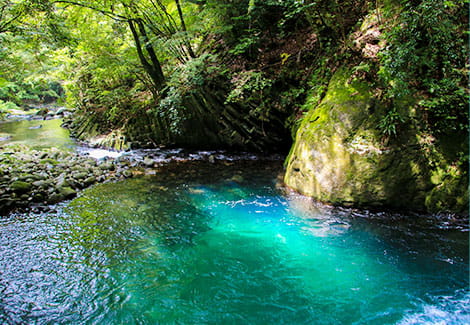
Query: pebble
33	179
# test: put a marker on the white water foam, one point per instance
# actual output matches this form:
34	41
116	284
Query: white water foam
102	153
446	311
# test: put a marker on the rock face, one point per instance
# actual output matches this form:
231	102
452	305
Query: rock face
206	122
340	156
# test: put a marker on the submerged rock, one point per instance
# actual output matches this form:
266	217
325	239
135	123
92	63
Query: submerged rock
237	179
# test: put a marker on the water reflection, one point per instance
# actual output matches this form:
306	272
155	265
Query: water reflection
38	134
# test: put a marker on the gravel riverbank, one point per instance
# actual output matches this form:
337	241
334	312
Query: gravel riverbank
36	178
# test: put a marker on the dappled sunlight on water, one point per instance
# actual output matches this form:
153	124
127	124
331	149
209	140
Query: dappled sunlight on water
218	243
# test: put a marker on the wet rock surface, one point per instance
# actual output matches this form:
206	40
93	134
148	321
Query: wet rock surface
35	175
342	158
38	112
33	179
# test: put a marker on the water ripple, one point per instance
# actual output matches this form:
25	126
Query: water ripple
200	247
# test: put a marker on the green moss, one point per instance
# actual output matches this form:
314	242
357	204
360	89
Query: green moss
339	156
20	186
67	192
49	161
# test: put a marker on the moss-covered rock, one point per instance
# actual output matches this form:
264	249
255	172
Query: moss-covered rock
20	186
29	179
67	192
340	156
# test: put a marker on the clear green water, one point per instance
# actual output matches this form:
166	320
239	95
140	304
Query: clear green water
37	134
218	244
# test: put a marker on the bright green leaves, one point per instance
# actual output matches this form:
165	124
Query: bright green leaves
188	78
248	85
11	12
28	73
425	57
389	123
30	36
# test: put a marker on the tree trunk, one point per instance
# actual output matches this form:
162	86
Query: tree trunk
153	68
183	28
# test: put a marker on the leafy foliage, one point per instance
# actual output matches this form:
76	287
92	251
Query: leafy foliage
5	107
30	34
426	55
186	79
389	123
248	85
120	59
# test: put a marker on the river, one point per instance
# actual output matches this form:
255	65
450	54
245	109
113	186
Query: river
224	242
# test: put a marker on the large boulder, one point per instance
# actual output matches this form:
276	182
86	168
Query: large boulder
340	156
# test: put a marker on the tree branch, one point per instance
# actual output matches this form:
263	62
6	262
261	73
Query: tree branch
107	13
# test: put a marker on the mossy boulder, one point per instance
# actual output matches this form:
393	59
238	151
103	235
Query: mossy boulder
20	186
26	183
67	192
341	157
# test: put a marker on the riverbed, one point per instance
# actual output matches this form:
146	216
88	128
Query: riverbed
221	241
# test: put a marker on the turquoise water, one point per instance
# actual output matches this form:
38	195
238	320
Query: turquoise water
223	244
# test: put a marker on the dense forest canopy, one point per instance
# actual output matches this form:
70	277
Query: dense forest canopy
240	70
368	99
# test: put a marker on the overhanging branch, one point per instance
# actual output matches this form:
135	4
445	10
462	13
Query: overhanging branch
107	13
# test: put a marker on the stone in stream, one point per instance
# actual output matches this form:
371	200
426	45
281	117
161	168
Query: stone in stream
148	162
20	186
80	175
106	166
38	197
42	155
55	198
340	156
42	176
25	197
61	182
61	111
127	173
42	112
67	192
29	178
5	202
41	183
89	180
54	155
